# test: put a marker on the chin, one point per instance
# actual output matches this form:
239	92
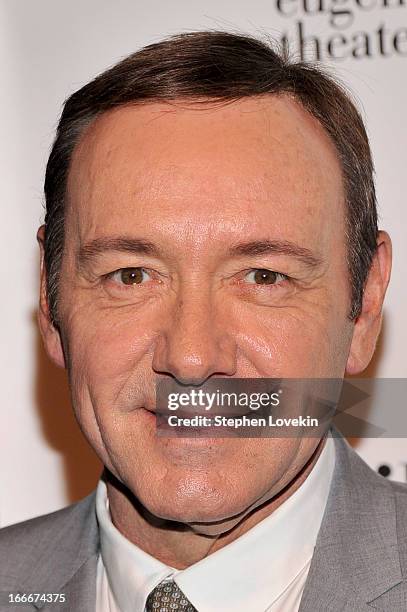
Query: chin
199	506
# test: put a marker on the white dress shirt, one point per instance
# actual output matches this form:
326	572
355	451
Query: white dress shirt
264	570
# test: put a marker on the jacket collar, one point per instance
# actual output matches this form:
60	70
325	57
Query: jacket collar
356	554
71	574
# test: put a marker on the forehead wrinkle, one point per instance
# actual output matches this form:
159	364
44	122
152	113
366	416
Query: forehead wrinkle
101	146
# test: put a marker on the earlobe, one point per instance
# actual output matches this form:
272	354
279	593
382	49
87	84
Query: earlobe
365	335
52	339
50	334
368	324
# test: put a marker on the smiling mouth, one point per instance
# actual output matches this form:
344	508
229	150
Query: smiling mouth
163	413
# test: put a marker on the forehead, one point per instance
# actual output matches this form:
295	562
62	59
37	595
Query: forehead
204	159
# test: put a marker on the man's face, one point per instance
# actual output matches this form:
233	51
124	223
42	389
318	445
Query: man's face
205	198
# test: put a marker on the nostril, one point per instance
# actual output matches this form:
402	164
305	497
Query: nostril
191	357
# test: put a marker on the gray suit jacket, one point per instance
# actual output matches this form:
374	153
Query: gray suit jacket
359	563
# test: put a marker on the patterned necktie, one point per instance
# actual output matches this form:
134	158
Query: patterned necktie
168	597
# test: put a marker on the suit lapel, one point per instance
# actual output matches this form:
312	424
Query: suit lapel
355	565
79	591
73	571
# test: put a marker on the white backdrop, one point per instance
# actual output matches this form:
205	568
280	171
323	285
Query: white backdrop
48	49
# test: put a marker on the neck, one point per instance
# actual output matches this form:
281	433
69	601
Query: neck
177	544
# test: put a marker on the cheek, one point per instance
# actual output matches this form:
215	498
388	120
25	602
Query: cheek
109	362
302	341
108	345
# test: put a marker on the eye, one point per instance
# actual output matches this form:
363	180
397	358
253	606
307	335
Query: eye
260	276
130	276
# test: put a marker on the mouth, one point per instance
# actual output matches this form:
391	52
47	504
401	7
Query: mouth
183	438
192	412
194	427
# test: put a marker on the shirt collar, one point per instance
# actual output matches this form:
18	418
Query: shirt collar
265	560
131	572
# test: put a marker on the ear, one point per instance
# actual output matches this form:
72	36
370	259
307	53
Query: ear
50	334
368	323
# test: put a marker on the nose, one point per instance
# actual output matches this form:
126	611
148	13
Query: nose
194	343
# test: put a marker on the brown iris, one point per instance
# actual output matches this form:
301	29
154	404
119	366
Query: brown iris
131	276
265	277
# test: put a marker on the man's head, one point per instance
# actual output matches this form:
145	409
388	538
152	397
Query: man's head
210	211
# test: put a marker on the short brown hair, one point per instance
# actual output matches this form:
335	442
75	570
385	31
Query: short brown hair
219	66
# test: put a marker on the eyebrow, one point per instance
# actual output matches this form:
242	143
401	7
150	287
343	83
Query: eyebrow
91	250
276	247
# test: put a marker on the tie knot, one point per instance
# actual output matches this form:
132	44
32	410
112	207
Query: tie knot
168	597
